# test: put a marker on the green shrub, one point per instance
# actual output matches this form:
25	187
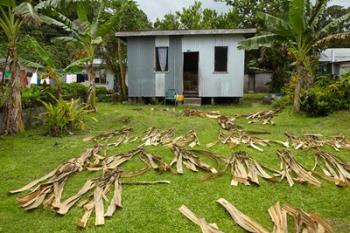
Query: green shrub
322	99
31	97
64	116
77	90
103	95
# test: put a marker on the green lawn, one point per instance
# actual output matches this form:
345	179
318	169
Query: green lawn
154	208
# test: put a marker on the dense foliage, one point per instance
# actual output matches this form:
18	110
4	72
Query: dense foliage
327	96
64	116
32	97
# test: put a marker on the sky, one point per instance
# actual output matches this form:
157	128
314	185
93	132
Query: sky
158	8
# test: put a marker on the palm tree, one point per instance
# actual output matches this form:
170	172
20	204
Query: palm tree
87	35
12	18
302	33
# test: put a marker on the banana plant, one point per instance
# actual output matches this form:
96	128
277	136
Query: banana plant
12	18
301	31
87	34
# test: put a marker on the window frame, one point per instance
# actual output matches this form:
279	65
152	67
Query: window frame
156	61
215	68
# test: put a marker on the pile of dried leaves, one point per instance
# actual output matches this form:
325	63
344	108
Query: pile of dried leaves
265	116
304	222
48	189
333	168
225	122
246	170
234	138
155	137
315	141
292	170
190	160
120	136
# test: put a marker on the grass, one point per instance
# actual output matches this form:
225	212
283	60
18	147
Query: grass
154	208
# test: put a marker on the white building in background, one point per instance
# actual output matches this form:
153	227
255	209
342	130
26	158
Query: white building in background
103	77
336	60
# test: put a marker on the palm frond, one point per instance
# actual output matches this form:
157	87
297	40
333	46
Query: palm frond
257	42
296	16
78	64
332	38
26	12
325	30
317	12
275	24
30	64
8	3
43	55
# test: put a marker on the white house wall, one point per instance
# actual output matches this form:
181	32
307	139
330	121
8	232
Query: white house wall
220	84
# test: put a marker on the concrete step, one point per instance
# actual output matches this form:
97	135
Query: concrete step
192	101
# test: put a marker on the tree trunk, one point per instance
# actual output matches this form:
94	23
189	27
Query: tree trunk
122	83
13	105
297	88
91	99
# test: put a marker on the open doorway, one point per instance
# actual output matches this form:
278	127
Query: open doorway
190	74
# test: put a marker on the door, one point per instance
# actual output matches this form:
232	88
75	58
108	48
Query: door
190	74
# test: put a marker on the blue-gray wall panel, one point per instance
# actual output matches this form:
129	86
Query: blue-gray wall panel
141	78
173	78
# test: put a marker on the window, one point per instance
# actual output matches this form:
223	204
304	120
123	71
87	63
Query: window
162	59
221	59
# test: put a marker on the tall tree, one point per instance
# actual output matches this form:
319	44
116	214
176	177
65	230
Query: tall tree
300	31
87	32
12	18
113	50
195	17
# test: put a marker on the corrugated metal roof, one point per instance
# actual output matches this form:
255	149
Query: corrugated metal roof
335	55
250	31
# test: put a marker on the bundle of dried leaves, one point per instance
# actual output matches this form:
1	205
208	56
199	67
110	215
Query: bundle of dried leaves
190	160
189	139
48	189
201	222
192	112
246	170
292	170
304	222
236	137
333	168
315	141
155	137
265	117
119	137
225	122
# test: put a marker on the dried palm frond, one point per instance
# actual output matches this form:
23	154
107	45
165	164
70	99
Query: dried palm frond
237	137
225	122
305	222
242	220
48	189
204	225
307	141
292	170
192	112
339	142
333	168
190	160
189	139
246	170
119	137
316	141
279	218
155	137
265	116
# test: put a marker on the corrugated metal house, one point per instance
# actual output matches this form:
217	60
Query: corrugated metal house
196	63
